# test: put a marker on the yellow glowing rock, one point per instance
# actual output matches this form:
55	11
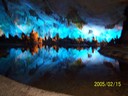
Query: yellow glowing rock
34	36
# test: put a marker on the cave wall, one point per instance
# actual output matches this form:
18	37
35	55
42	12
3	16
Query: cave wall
124	35
25	16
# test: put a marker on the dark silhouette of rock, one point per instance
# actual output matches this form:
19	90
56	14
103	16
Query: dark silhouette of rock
47	10
6	7
124	35
33	13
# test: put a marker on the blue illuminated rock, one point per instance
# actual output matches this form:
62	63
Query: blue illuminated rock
26	16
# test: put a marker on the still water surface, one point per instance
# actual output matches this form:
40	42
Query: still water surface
23	66
64	70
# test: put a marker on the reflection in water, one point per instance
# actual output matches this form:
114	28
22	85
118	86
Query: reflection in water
26	67
69	71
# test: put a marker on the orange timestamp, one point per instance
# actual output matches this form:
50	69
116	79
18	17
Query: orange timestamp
107	84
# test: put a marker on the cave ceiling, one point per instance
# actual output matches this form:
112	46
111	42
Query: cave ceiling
99	12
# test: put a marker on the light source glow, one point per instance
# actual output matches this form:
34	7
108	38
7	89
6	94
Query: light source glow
22	21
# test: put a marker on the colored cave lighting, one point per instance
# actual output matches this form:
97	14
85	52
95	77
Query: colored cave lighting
23	22
100	33
49	60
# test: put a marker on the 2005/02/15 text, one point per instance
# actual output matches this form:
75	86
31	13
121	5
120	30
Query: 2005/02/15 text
107	84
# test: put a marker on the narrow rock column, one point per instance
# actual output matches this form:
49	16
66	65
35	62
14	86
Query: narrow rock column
124	35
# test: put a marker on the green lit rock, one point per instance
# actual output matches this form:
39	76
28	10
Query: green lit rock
73	17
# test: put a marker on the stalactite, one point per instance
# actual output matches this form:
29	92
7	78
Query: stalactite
6	7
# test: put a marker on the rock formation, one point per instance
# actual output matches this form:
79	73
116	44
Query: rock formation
124	35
